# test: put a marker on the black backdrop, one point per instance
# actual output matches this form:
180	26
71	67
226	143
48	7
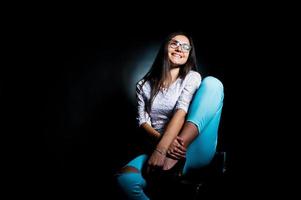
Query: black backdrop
70	120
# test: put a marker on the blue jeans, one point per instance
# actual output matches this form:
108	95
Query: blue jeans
205	112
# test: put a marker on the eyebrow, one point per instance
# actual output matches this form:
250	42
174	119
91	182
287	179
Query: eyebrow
179	42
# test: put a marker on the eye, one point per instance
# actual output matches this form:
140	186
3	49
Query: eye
174	44
186	47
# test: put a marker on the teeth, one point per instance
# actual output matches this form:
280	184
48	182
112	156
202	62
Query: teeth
176	55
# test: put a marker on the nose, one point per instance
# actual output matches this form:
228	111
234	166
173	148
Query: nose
179	48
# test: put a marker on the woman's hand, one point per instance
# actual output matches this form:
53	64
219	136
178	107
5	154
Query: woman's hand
156	160
177	150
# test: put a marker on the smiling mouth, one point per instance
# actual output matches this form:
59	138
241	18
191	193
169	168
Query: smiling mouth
176	55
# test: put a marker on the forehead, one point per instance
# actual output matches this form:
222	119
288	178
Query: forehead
181	38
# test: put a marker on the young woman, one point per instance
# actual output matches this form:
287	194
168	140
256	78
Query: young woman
178	111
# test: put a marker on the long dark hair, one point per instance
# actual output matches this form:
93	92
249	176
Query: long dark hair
160	70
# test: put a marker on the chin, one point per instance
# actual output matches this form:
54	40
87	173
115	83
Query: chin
178	63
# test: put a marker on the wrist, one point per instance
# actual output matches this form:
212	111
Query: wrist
162	151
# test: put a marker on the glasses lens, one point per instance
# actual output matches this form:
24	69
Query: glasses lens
175	44
186	47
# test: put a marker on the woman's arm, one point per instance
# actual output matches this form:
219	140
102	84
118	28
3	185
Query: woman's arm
172	130
150	131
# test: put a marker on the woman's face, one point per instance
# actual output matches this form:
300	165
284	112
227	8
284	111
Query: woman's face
178	50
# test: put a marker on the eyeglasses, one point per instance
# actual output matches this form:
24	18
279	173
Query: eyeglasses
184	46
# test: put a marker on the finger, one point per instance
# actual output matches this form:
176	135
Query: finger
181	148
174	156
174	150
168	151
180	140
179	151
179	137
176	144
180	154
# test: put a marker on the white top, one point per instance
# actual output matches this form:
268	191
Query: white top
177	96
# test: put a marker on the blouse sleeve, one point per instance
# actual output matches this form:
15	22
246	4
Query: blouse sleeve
142	115
191	85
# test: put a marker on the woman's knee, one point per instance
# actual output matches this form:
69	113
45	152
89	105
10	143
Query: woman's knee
213	84
207	101
128	169
129	178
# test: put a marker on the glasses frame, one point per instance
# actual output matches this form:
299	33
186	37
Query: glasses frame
178	44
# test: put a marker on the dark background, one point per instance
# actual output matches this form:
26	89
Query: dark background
68	118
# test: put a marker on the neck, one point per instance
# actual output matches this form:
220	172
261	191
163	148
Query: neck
174	72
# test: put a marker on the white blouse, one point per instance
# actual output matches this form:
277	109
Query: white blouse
177	96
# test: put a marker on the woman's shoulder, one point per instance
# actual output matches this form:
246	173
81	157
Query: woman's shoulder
143	85
194	76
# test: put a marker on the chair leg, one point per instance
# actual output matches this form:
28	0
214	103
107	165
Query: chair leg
197	190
